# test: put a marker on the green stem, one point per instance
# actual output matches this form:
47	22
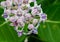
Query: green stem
52	21
4	23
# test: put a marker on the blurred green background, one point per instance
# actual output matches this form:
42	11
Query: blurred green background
49	32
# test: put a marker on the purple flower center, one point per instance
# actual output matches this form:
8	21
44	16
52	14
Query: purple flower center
5	15
19	33
43	16
19	14
34	31
15	23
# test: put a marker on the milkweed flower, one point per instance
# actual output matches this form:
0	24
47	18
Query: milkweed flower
43	17
20	22
12	19
19	13
13	11
3	4
30	26
35	21
27	16
8	3
20	33
22	18
7	11
5	15
35	31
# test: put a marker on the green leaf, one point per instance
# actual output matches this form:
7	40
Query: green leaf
50	31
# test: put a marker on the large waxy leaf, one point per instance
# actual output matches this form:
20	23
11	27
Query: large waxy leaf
48	31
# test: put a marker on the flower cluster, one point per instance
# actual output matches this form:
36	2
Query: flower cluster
19	13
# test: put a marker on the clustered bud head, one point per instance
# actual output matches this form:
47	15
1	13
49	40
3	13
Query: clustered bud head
17	12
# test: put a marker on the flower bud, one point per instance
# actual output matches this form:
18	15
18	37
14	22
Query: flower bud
43	17
5	15
3	4
8	12
12	19
8	3
21	24
35	31
14	11
20	33
30	26
35	21
35	11
23	18
19	20
27	16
